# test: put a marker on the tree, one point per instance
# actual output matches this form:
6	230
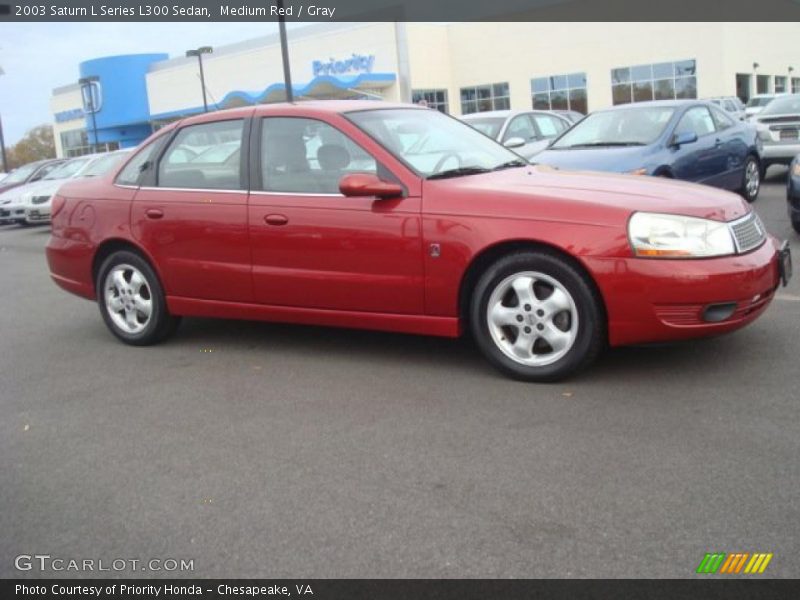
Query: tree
37	144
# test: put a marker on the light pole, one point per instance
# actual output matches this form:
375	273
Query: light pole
2	140
287	73
199	54
87	83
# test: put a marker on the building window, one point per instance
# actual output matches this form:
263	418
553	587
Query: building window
481	98
780	84
560	92
796	85
660	81
762	84
433	98
76	143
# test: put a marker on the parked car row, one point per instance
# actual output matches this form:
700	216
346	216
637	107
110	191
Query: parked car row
29	203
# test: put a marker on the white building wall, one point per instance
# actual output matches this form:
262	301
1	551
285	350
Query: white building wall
175	85
66	99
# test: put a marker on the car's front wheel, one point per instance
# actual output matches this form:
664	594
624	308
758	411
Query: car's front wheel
132	301
751	179
536	317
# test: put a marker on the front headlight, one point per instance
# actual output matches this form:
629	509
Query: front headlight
764	135
656	235
796	170
40	199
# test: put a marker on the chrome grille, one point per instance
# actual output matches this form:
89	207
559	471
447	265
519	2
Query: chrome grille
748	232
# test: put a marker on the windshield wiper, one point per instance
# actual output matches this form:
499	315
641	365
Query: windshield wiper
602	144
518	162
458	172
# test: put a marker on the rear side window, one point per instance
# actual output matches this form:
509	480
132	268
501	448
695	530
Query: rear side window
721	120
132	172
205	156
549	126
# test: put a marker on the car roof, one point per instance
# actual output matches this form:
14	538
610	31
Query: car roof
504	114
318	107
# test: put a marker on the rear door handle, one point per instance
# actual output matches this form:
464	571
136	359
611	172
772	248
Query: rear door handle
718	142
154	213
276	219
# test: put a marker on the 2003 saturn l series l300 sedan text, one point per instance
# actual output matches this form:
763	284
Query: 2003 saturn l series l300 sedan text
380	216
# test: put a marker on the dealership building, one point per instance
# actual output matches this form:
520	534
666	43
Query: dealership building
457	68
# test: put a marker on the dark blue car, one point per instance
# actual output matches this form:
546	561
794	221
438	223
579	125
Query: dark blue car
793	192
683	139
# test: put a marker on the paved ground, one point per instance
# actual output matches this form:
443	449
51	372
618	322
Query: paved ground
278	451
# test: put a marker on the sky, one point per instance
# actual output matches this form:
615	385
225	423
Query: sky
37	57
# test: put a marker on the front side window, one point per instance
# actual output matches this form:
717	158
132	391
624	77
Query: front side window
432	144
721	120
696	120
307	156
520	127
630	126
549	126
204	156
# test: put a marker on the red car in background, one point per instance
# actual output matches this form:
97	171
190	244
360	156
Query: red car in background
392	217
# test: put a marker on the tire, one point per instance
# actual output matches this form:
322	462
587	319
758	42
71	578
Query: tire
751	179
796	225
127	282
562	304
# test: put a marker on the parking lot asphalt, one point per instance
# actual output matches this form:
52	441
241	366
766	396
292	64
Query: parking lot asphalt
266	450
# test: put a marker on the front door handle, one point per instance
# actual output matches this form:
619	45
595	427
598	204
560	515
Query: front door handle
276	219
154	213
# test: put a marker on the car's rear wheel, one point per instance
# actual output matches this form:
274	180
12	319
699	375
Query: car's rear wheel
132	301
751	179
796	224
536	317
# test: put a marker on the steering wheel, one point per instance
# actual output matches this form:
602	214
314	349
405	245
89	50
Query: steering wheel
441	162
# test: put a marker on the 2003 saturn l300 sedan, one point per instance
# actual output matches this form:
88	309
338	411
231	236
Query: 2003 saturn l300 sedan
399	218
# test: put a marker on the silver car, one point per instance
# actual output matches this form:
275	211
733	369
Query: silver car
779	130
526	132
730	104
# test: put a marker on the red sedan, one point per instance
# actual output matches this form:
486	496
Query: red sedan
399	218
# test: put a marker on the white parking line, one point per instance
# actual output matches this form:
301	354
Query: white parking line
787	297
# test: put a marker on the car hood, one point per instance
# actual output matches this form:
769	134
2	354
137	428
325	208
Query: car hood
606	158
20	190
541	192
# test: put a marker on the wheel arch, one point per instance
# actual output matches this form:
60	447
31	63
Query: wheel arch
481	261
112	245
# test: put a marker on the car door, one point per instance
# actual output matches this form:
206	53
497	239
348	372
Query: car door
733	144
701	161
192	216
522	127
312	247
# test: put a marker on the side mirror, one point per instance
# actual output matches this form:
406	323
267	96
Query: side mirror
514	142
687	137
366	184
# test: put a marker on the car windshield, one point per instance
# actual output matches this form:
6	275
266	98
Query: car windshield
67	170
432	144
759	101
21	174
782	106
102	165
635	126
490	126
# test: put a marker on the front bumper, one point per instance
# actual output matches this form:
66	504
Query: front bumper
11	213
654	300
38	215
